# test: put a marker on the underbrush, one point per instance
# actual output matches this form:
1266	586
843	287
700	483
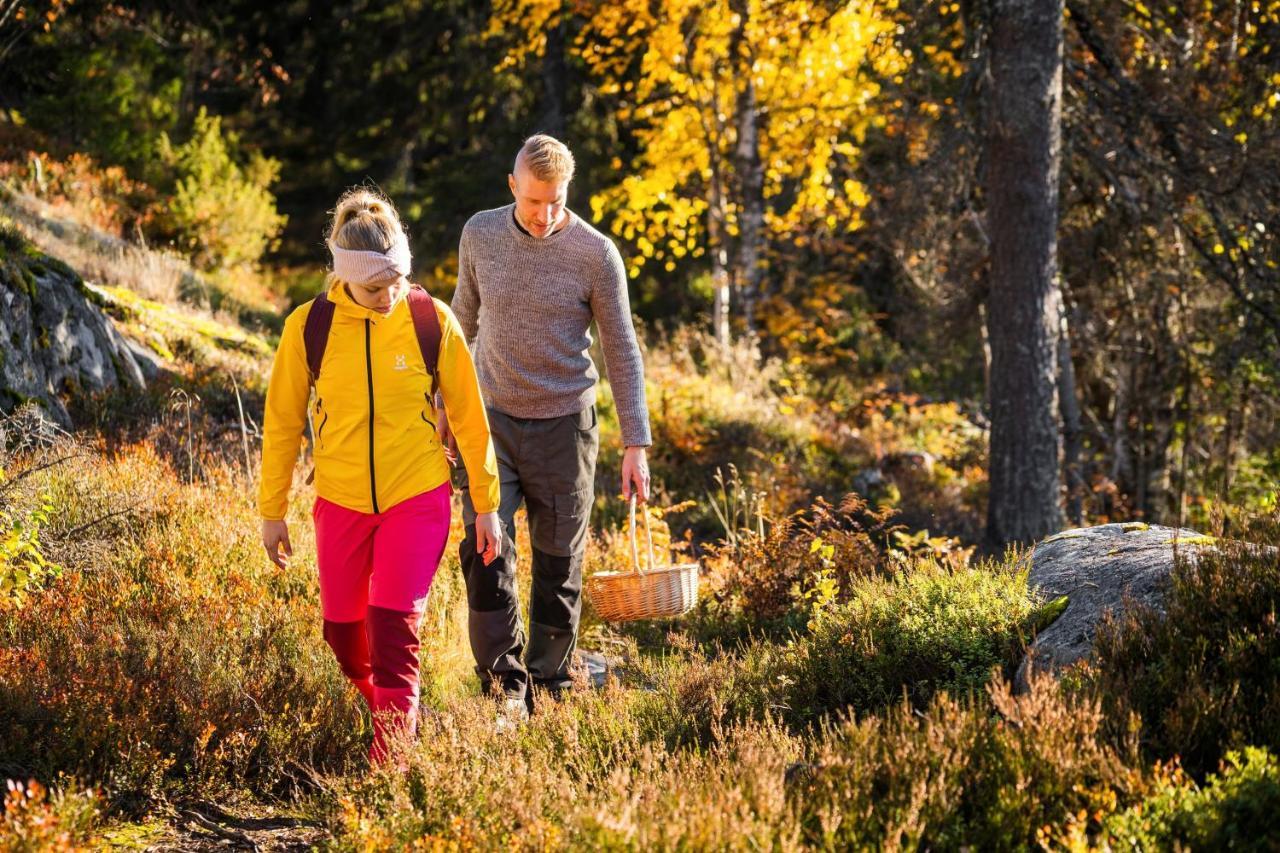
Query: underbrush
167	659
730	421
1203	674
992	771
35	819
66	229
1236	809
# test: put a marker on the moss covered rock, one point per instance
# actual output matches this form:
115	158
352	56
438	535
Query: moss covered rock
54	341
1091	571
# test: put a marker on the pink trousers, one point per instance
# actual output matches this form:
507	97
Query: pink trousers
375	572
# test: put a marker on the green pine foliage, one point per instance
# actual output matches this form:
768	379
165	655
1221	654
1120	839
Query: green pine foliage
220	211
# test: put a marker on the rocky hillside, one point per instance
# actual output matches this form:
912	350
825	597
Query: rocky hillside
55	339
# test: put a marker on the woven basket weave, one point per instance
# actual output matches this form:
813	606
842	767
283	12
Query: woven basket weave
650	593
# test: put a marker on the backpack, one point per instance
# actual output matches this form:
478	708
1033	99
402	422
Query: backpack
426	323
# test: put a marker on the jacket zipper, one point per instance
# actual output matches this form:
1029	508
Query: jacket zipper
368	364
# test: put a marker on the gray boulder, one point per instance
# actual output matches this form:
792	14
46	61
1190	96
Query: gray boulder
1099	569
55	341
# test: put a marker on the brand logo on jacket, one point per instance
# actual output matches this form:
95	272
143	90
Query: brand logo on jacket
400	363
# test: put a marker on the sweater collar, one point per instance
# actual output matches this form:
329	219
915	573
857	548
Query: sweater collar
527	239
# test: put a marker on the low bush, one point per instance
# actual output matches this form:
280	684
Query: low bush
768	584
1237	809
589	773
1203	675
709	410
168	656
34	820
79	187
957	776
926	629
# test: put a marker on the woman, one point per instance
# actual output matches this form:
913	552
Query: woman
382	477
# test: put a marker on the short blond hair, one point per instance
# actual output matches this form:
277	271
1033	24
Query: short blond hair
546	158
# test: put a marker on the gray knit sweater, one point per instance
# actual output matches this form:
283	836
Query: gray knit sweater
526	306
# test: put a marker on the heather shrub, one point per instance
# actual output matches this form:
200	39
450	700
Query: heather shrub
1203	675
1238	808
579	775
35	820
926	629
767	583
168	656
956	775
692	691
592	772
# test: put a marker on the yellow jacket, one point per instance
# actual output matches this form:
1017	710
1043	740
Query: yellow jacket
375	438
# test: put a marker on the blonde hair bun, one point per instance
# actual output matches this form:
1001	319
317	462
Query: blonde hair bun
365	220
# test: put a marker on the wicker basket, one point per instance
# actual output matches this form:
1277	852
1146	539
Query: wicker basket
650	593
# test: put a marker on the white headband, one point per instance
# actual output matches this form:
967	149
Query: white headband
361	267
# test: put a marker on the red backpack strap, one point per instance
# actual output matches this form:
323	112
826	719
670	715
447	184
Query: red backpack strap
426	323
315	334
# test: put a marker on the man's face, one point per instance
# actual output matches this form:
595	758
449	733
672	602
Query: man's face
381	296
539	204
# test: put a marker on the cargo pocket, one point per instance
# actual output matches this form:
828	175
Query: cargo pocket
572	513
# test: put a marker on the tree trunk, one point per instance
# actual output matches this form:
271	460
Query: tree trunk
1123	441
719	261
717	229
554	74
1069	406
1023	155
749	170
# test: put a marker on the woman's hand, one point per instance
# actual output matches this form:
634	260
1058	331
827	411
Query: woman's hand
488	536
275	538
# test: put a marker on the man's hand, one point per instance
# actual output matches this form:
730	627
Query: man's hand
447	440
275	538
488	536
635	474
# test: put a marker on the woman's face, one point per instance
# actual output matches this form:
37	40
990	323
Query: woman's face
380	296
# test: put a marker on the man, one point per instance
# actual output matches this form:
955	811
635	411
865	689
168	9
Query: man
531	278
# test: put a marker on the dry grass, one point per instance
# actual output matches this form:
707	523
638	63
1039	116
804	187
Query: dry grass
594	773
156	274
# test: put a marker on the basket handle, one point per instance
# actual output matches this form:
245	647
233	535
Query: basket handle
635	551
